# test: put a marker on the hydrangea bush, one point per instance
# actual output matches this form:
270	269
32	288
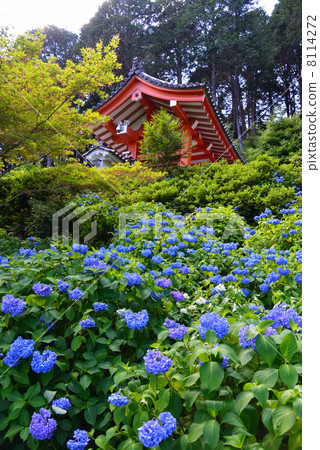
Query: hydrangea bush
168	338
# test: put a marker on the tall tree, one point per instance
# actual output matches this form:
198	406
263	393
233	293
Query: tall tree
125	18
171	36
285	32
61	44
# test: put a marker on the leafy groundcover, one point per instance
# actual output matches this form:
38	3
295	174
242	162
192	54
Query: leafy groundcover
170	338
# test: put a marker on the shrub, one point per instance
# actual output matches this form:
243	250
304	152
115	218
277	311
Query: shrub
206	330
281	139
162	142
30	196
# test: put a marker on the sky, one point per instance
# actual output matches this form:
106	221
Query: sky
23	15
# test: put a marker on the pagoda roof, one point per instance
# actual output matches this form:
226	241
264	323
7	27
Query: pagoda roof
140	94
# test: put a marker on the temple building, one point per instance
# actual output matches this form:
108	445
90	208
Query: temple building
140	95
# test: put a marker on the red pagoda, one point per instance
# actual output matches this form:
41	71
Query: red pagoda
140	95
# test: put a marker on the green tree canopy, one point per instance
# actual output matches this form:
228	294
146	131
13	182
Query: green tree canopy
38	114
162	144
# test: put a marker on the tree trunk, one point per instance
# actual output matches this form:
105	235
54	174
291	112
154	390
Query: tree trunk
213	81
235	107
240	106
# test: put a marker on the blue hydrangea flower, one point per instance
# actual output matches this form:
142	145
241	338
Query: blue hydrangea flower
80	440
298	278
245	280
118	399
264	287
168	271
168	422
272	277
282	315
224	362
270	331
134	279
216	279
242	337
100	306
75	294
93	264
283	271
156	363
62	285
136	320
281	261
230	277
42	426
163	282
284	235
292	232
20	348
212	321
168	323
184	269
27	252
258	309
87	323
78	248
146	253
151	433
157	259
43	363
42	289
154	431
62	403
177	332
12	305
177	296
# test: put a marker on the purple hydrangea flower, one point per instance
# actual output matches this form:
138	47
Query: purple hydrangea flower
42	426
163	282
177	296
12	305
43	363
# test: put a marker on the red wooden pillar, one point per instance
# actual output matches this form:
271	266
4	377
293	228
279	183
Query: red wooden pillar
187	149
